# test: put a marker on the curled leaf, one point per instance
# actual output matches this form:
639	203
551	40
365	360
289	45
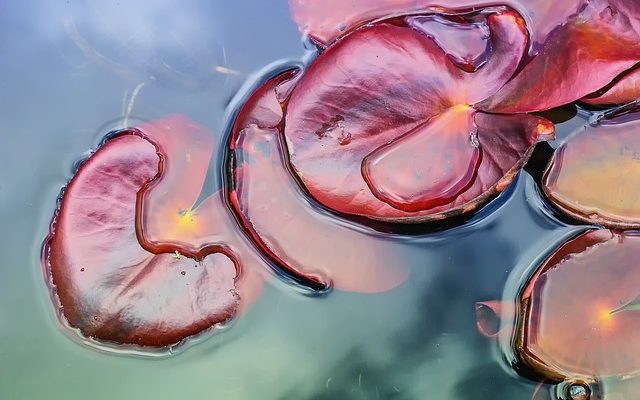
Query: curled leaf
112	283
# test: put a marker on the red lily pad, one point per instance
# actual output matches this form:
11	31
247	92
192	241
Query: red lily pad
293	231
112	288
580	309
325	20
607	157
400	140
582	56
625	90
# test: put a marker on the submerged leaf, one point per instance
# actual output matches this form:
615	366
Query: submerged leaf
489	315
115	285
594	175
400	140
291	230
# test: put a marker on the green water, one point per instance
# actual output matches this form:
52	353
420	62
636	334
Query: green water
67	74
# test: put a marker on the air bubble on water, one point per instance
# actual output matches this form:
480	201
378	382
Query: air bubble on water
578	392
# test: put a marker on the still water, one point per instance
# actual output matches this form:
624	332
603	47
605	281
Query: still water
72	71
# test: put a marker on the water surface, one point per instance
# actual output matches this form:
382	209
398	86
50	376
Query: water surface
70	72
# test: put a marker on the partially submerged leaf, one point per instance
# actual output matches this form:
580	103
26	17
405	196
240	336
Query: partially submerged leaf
488	317
115	284
594	175
294	232
573	323
400	141
542	392
166	209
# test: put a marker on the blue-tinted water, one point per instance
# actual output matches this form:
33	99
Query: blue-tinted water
68	74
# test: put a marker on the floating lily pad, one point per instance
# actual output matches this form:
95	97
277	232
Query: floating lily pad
115	285
293	231
383	125
580	309
594	175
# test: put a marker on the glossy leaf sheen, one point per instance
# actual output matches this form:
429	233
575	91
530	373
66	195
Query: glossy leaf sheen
578	58
394	80
326	20
286	226
131	259
111	288
626	90
402	176
573	321
594	175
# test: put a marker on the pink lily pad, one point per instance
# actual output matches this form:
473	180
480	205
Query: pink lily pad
606	156
289	228
400	140
581	308
575	322
111	283
490	316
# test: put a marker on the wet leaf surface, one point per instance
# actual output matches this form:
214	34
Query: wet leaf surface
326	20
292	230
625	90
593	176
115	285
578	58
355	148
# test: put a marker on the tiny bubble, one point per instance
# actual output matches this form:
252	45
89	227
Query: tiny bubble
183	273
82	269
